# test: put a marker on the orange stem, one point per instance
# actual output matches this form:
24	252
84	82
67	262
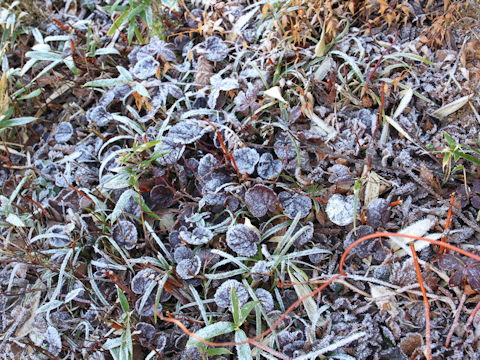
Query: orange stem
447	223
425	300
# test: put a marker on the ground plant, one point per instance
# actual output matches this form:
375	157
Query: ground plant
239	179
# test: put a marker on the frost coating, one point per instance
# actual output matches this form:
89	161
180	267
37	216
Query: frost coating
268	168
140	282
184	133
125	234
223	295
198	236
340	209
246	159
182	253
147	309
207	166
306	236
58	241
261	271
294	203
378	213
260	199
285	149
99	115
188	268
243	240
146	67
265	298
64	132
54	341
207	257
214	48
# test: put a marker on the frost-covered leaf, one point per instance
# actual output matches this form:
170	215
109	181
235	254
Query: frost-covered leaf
61	240
214	49
243	240
184	133
473	277
223	295
218	84
207	165
295	203
159	47
261	271
54	341
168	152
265	298
99	115
188	268
125	234
305	237
378	213
64	132
207	332
140	282
268	168
160	92
182	253
146	67
340	209
207	257
260	199
246	159
340	174
285	149
449	262
246	101
452	107
147	333
200	235
147	309
363	249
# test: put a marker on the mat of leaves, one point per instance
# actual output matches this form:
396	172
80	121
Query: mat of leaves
197	186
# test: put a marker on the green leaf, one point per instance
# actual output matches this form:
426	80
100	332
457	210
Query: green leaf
246	310
450	140
235	307
243	351
119	22
16	121
218	351
43	55
105	82
123	300
206	333
31	95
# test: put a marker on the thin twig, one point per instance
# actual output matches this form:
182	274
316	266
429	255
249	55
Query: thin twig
455	322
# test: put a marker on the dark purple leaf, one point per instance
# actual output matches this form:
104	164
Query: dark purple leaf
306	236
378	213
285	149
260	199
182	253
261	271
243	240
207	165
141	281
207	257
457	278
473	277
362	249
294	203
160	196
147	309
450	262
340	174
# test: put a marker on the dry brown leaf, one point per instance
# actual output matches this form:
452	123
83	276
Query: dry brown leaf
203	73
427	175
